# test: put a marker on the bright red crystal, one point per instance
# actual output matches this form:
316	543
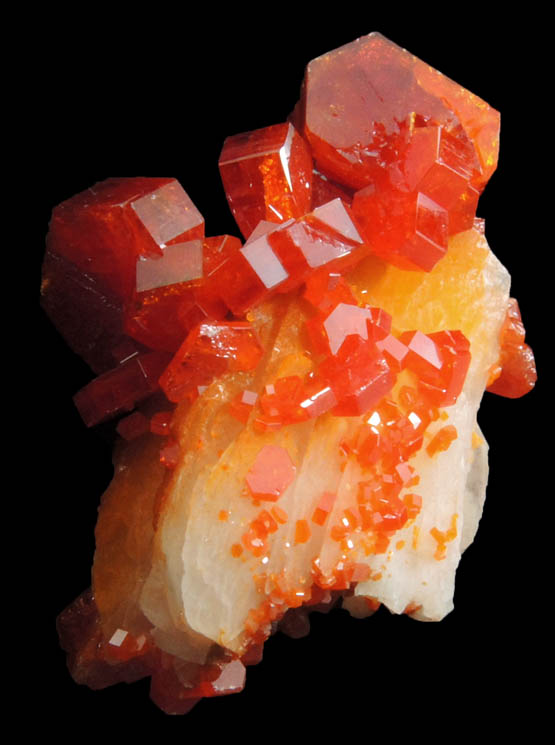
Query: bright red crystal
356	128
409	216
392	437
380	507
417	160
358	375
281	400
291	400
105	244
328	333
107	228
267	175
324	190
283	258
517	374
441	362
160	316
407	229
324	290
208	351
444	168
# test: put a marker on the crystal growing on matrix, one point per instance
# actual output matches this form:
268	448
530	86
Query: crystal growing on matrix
296	408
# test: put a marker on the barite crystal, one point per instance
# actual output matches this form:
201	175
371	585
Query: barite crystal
296	410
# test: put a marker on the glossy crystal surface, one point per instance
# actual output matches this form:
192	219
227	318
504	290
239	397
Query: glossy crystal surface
267	175
296	411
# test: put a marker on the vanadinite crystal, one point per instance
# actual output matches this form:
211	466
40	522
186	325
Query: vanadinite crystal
296	409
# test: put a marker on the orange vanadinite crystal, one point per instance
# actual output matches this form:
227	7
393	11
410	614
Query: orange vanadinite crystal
442	440
280	515
302	531
380	507
267	175
323	508
271	474
443	537
517	367
420	157
440	360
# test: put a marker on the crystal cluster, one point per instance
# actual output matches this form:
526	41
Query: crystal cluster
299	407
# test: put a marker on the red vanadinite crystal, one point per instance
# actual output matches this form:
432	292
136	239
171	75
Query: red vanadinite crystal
106	229
324	290
120	389
417	160
86	312
267	175
100	243
283	258
441	362
358	375
242	405
92	660
211	349
160	317
517	374
328	333
383	159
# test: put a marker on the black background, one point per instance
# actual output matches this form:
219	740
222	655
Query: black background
160	101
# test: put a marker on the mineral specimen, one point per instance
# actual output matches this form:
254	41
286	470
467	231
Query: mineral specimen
297	412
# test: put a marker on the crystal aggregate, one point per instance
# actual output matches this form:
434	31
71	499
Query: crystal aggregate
270	346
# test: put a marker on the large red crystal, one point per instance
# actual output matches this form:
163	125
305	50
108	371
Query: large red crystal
182	295
283	258
357	129
417	159
118	238
517	367
107	228
267	175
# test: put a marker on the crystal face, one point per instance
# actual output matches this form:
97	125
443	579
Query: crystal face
296	409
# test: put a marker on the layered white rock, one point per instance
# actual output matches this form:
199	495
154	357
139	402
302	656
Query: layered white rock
198	593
